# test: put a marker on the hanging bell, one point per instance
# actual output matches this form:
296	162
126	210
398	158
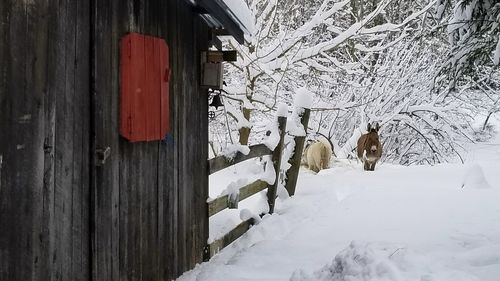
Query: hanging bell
216	101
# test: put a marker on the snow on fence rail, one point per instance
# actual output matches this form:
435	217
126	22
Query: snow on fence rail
259	150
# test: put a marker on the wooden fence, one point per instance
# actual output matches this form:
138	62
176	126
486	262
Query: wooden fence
259	150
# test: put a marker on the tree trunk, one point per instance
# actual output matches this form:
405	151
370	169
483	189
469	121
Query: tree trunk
245	132
486	121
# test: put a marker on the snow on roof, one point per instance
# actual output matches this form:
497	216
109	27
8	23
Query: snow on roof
242	14
234	16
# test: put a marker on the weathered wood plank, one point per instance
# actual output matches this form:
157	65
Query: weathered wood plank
221	162
293	173
180	137
16	191
47	226
81	110
47	198
113	161
168	181
143	212
65	160
230	237
103	262
186	143
200	37
221	203
271	191
127	167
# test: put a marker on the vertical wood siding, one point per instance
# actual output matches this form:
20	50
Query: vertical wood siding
44	143
140	216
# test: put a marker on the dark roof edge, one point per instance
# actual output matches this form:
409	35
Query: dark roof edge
226	18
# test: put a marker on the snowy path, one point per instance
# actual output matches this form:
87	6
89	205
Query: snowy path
407	223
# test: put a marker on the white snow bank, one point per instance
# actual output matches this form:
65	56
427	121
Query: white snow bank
474	178
293	125
246	214
282	110
269	175
414	223
303	98
358	262
273	132
383	262
232	149
233	189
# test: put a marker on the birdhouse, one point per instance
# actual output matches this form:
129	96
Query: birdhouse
212	75
212	70
144	88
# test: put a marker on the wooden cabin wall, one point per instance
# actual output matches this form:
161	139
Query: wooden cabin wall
150	208
44	140
140	216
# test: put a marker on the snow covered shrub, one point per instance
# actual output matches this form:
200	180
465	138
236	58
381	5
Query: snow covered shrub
358	262
369	62
473	29
419	124
294	42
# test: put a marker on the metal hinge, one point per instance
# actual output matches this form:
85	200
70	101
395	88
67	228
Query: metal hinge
101	155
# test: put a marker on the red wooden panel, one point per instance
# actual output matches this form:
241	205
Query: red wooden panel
149	79
144	89
165	76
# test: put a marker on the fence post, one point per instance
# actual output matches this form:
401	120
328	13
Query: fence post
272	189
293	171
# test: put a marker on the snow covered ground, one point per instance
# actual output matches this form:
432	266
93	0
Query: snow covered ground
425	223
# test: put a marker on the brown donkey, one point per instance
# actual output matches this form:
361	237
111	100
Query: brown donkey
369	148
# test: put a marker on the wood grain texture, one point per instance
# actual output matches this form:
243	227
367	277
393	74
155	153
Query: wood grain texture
150	209
221	162
276	158
293	173
44	68
142	215
221	203
230	237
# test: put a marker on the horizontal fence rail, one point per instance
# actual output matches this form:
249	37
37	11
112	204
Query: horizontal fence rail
220	203
219	244
221	162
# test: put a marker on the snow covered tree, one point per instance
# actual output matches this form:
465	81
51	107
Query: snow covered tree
473	29
418	125
297	42
380	60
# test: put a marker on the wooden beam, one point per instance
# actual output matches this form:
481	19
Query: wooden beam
221	32
229	238
221	162
293	172
220	56
272	190
199	10
221	203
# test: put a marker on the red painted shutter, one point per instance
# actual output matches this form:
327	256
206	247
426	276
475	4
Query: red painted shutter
144	73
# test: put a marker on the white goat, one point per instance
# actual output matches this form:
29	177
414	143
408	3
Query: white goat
317	156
